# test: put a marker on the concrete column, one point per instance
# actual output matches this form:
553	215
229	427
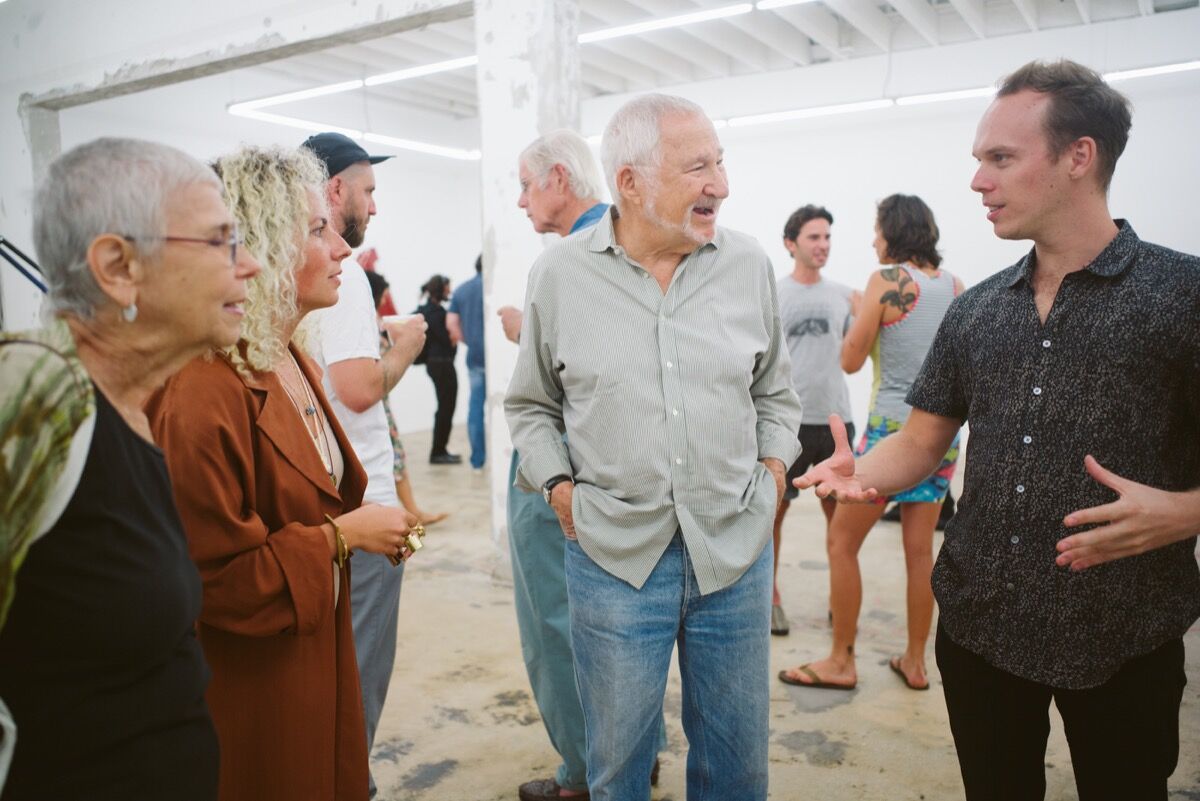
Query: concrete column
528	79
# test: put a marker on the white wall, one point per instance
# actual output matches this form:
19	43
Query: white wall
429	207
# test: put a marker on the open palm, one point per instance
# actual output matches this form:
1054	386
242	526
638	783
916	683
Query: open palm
835	477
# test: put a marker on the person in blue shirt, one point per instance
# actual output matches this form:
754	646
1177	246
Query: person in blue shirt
465	322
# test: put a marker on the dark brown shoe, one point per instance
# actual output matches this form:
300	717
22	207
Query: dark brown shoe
545	790
654	774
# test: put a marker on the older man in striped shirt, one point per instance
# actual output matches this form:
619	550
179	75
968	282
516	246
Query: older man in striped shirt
653	339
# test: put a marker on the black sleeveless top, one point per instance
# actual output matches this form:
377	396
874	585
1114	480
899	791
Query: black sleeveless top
99	661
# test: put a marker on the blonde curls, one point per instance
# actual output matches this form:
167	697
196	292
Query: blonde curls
268	190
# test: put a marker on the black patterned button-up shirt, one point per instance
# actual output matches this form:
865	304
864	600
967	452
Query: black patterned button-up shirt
1114	372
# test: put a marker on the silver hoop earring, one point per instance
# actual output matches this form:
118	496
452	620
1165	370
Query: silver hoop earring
129	312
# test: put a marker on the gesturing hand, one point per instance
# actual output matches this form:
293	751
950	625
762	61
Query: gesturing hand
1141	519
835	477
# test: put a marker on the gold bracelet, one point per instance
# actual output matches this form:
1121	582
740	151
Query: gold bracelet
343	553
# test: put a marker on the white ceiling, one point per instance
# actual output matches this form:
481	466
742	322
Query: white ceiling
755	42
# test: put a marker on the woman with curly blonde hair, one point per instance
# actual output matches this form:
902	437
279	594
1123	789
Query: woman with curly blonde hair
269	490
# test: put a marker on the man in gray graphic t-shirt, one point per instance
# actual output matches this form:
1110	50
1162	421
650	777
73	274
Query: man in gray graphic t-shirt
816	314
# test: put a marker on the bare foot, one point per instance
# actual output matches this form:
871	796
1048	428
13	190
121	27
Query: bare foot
826	673
911	670
430	519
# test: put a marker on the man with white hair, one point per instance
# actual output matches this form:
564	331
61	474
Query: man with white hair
560	190
653	340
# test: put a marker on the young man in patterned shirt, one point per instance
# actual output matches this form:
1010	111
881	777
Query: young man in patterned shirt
1069	570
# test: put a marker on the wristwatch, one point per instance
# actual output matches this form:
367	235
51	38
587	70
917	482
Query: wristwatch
551	483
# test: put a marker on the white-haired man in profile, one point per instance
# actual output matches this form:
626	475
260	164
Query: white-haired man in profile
653	340
560	193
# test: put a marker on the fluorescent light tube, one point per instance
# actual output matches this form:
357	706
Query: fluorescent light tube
666	22
417	72
1146	72
424	147
805	113
766	5
392	141
303	94
940	97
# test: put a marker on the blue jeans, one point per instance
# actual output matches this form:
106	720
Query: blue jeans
623	637
540	590
475	432
375	612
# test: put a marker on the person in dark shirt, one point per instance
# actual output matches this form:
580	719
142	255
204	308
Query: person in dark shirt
99	661
1068	572
439	353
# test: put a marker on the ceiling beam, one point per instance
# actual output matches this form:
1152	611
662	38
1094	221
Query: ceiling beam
817	24
971	12
1146	7
866	16
714	37
1028	12
636	76
1085	10
921	16
796	49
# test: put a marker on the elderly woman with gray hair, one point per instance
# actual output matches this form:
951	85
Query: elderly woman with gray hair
99	660
270	490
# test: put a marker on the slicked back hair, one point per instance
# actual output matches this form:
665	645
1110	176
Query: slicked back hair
1081	104
571	150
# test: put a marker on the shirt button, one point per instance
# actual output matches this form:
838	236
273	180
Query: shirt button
674	411
669	365
1010	586
1036	390
1045	343
1020	488
1027	439
1014	539
678	461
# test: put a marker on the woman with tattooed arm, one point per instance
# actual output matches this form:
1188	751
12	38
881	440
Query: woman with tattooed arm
899	315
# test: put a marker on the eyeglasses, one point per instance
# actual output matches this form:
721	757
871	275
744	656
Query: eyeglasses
231	241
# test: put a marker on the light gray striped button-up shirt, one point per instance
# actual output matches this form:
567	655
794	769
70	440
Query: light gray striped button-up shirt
668	401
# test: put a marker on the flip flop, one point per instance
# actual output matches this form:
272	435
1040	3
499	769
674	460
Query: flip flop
817	682
894	664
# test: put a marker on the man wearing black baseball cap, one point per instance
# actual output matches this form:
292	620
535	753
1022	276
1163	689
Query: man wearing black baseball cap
351	182
357	379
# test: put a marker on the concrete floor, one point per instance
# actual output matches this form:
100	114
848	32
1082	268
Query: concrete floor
460	722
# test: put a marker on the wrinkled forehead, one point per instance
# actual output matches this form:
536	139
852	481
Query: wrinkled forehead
689	136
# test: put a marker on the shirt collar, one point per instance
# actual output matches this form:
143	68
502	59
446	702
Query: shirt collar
589	217
602	237
1111	262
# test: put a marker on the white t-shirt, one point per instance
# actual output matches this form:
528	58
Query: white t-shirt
348	330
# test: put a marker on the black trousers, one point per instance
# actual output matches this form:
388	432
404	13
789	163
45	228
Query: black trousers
1123	735
445	384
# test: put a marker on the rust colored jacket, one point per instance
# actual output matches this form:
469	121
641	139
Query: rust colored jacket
252	492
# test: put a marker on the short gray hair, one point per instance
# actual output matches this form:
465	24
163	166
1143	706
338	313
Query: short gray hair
107	186
633	136
571	150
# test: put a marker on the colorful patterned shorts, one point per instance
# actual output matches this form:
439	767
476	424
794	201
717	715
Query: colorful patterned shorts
932	489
